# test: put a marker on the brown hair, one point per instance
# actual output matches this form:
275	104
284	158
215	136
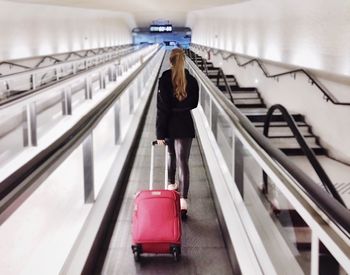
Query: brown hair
178	76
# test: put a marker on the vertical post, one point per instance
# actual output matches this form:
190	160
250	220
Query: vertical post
117	131
115	73
237	163
102	80
67	101
33	81
140	85
314	254
57	74
74	68
131	98
202	98
25	127
88	88
30	125
110	74
88	159
200	88
213	117
117	65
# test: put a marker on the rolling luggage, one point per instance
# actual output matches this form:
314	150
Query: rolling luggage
156	222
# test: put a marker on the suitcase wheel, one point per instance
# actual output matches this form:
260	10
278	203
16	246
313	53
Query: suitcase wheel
183	214
136	256
176	251
136	250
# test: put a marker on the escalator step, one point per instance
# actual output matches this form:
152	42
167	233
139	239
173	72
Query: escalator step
248	101
277	124
298	152
260	117
284	131
257	105
244	89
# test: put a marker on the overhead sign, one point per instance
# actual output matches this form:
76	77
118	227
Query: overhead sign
161	28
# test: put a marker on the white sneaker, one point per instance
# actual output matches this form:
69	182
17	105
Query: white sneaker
172	186
183	204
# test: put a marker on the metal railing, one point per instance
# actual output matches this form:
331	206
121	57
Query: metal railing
327	183
106	133
328	96
220	74
18	84
56	58
328	219
61	97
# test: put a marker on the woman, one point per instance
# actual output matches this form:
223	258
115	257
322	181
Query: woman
177	96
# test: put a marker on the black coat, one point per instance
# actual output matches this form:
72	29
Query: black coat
174	118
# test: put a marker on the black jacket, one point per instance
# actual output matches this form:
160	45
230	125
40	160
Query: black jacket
174	118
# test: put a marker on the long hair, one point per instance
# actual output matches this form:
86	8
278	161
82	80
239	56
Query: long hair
178	76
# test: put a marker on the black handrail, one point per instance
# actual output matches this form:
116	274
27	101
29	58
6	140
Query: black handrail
336	212
104	51
14	64
220	72
56	60
228	88
205	66
327	183
313	80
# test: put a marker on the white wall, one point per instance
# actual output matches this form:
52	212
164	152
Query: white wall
30	30
292	33
312	33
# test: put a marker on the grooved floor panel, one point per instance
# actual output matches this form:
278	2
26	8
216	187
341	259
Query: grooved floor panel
203	248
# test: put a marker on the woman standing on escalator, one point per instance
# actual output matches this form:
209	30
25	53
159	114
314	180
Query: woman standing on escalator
177	96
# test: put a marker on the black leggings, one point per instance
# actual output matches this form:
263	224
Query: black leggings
179	153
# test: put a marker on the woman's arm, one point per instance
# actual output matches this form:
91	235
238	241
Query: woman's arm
163	111
195	93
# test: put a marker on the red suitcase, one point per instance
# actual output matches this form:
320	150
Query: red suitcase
156	223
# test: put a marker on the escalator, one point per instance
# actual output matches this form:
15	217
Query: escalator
250	103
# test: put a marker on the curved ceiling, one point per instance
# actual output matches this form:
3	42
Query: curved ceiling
144	11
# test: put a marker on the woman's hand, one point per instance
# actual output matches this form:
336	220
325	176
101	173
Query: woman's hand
161	141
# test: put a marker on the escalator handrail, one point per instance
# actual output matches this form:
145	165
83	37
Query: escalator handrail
327	183
9	187
336	212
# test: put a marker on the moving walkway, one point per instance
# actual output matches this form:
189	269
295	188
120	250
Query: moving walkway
85	217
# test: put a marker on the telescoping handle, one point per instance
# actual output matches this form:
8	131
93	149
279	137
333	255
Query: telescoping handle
152	166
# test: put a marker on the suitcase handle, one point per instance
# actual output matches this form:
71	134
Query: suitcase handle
155	142
152	166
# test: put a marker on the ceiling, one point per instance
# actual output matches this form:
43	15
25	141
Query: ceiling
144	11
